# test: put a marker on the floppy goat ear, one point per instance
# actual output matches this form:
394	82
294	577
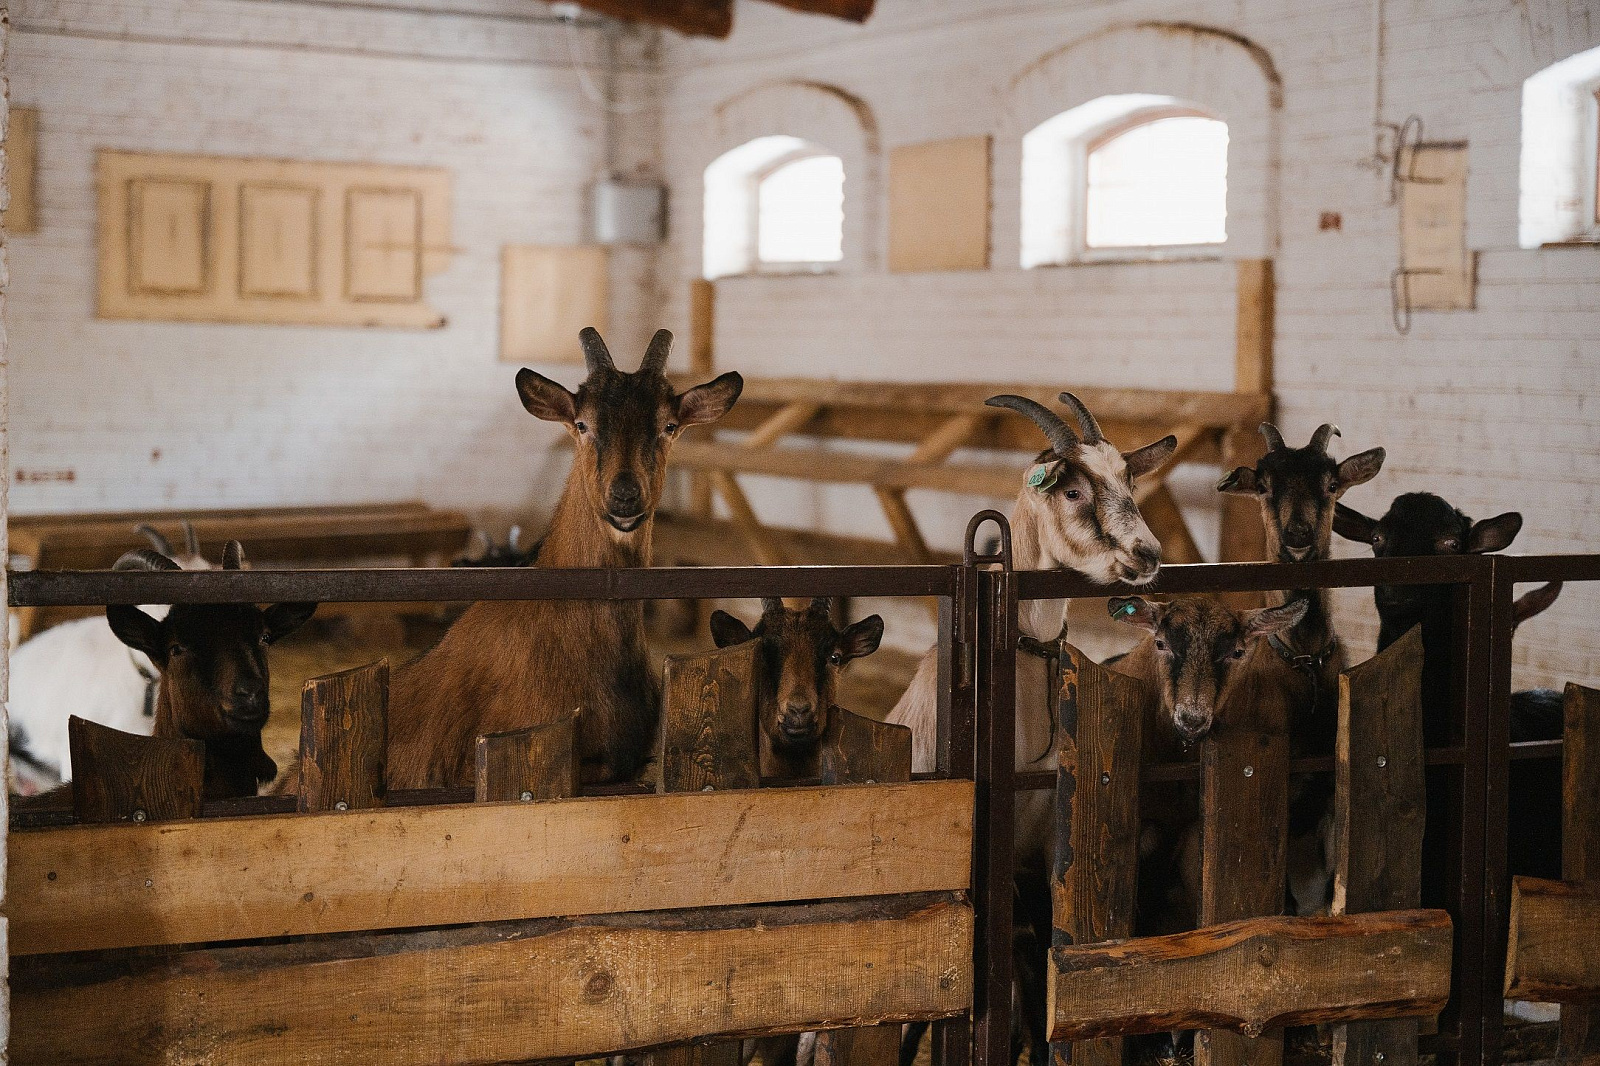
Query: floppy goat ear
1265	621
1531	603
709	402
1351	524
1360	468
138	631
546	399
861	638
1135	610
1494	534
1242	482
1146	459
727	630
285	618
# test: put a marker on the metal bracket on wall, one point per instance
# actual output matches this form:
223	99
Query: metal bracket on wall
1400	297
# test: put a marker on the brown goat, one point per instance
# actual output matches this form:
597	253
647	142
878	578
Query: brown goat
214	675
508	665
797	677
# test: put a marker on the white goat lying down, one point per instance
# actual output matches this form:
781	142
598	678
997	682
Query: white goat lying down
81	668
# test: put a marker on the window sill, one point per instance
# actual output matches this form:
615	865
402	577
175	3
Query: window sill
1163	257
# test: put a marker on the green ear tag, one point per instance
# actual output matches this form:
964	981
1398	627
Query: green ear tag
1127	609
1042	477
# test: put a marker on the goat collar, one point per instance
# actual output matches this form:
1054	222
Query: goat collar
1052	652
152	683
1311	664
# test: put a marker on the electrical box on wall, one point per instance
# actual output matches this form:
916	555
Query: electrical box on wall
629	212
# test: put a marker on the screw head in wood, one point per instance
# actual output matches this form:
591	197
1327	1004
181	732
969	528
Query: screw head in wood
526	796
342	805
1378	1056
1249	771
1105	777
139	815
148	883
1383	760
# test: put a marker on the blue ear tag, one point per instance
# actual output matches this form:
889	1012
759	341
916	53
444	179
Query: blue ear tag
1042	477
1127	609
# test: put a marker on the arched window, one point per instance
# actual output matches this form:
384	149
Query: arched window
1124	172
773	205
1559	198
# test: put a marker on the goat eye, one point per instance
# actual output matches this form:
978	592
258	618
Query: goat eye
1074	494
177	649
1450	544
581	427
837	658
1161	645
1238	653
670	427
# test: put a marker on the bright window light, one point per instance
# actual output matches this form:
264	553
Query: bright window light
1161	183
800	212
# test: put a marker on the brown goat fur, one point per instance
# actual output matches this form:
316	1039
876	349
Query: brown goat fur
507	665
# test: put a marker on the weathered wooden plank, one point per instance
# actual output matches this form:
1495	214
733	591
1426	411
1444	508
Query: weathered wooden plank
1551	956
695	18
1255	975
725	1053
343	725
852	10
860	751
1580	845
1244	845
555	989
1379	812
538	763
124	777
80	887
785	420
708	721
1161	511
818	464
1094	886
763	544
873	1045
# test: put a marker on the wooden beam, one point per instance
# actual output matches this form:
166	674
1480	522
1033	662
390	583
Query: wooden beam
951	434
1253	327
861	751
537	763
708	729
702	326
904	524
820	465
343	725
1160	510
1379	811
693	18
1580	844
1255	975
850	10
552	989
1243	537
684	539
767	550
784	421
77	888
125	777
1551	956
1189	437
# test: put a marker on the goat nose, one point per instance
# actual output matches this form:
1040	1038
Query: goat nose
625	494
798	717
1297	534
1147	555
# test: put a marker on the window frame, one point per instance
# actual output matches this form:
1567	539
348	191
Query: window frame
1591	154
1083	251
780	267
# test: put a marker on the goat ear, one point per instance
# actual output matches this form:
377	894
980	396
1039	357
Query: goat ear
727	630
1494	534
138	631
1265	621
1531	603
709	402
1135	610
285	618
233	556
1149	457
546	399
1242	482
1360	468
861	638
262	767
1351	524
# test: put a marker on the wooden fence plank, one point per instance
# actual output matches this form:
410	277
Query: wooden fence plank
80	887
1580	844
1244	843
343	725
124	777
1551	956
1255	975
1379	811
538	763
708	727
556	989
1094	886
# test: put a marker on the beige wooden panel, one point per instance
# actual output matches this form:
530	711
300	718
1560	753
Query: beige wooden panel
278	240
286	241
383	244
82	887
22	169
169	236
547	294
939	205
1433	229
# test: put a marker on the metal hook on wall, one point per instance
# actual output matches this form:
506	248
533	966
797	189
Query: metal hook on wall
1401	171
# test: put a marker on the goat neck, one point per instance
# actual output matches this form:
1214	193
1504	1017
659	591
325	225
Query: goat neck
579	538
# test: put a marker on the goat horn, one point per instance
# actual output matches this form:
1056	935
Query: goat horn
153	535
819	605
655	356
191	542
513	537
1086	422
145	559
233	556
1274	438
596	356
485	543
771	604
1324	433
1057	432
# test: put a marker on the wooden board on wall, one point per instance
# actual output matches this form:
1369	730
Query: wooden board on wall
939	205
217	239
22	167
1433	229
547	294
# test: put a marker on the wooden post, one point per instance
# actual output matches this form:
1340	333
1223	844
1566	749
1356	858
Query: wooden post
1379	811
539	763
702	328
1243	538
1094	885
343	730
1244	842
124	777
1580	845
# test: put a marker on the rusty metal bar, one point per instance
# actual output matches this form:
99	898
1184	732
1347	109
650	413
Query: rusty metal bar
996	816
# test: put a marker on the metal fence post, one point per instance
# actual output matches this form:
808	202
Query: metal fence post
996	815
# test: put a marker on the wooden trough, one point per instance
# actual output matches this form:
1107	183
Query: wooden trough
533	925
1247	971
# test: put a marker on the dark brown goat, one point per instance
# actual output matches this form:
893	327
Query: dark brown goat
797	677
508	665
214	674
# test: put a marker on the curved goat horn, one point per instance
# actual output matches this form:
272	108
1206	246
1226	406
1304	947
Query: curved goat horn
1086	422
596	356
1274	438
153	535
1324	433
233	556
820	606
655	356
191	541
1057	432
513	538
145	559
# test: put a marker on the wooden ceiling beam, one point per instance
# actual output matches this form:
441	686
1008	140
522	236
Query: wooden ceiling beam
696	18
850	10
